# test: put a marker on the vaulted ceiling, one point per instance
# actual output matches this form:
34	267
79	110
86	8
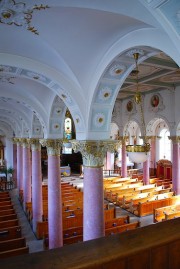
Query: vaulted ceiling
64	49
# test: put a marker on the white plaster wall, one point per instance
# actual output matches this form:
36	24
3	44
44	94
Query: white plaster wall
170	113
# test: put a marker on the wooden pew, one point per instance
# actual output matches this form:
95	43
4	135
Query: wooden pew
5	198
14	252
159	213
117	221
127	199
122	228
4	194
8	217
7	207
9	223
147	208
172	215
72	232
7	212
12	244
5	203
71	221
73	239
10	233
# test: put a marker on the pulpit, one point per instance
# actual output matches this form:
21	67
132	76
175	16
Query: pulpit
164	169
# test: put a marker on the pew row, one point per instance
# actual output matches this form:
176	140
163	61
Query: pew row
159	214
147	208
10	233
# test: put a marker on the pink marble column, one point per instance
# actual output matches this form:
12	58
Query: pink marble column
37	206
146	172
55	228
93	206
15	163
153	153
26	173
93	153
176	167
19	166
124	161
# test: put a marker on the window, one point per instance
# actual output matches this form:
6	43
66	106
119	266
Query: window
165	145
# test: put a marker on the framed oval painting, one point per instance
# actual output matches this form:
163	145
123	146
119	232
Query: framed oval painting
155	100
129	106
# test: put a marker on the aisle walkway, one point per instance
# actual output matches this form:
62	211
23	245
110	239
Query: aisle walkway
31	240
37	245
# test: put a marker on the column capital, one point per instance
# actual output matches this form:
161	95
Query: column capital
25	142
175	139
53	146
123	139
94	151
35	144
18	141
153	137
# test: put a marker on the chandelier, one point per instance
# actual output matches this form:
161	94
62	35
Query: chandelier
139	153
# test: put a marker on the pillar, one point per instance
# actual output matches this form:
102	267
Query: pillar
124	160
153	153
19	163
93	153
55	229
146	172
26	172
175	164
37	206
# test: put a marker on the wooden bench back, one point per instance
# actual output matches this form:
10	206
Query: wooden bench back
10	233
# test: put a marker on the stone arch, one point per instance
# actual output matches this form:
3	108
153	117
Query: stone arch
113	71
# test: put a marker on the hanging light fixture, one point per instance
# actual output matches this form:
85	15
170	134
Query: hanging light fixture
139	153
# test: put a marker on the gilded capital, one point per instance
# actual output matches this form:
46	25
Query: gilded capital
18	141
35	144
25	142
123	140
175	139
153	137
53	146
93	152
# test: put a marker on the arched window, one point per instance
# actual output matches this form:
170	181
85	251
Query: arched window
165	145
68	128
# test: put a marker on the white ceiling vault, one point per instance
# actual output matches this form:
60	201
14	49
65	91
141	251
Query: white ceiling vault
78	54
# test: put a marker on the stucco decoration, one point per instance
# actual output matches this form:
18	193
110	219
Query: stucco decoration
19	13
105	93
5	68
116	70
93	152
37	76
63	96
37	127
99	120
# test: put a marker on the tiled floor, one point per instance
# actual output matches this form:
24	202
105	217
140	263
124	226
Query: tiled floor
37	245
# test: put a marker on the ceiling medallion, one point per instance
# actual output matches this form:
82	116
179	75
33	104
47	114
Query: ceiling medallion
105	93
116	70
99	119
131	53
18	13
